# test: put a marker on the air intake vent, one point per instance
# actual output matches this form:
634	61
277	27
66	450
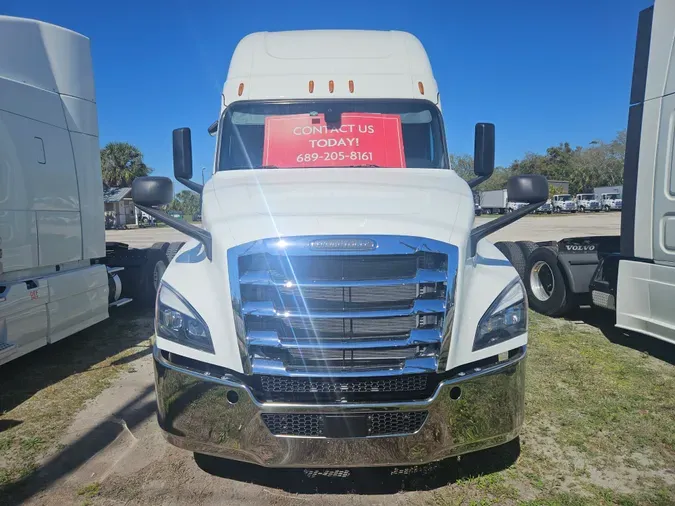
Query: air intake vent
380	424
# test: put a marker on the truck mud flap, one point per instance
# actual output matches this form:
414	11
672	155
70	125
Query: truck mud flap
579	258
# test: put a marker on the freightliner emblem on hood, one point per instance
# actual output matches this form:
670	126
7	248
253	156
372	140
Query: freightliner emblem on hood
343	244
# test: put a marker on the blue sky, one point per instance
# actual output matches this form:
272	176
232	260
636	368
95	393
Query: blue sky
543	72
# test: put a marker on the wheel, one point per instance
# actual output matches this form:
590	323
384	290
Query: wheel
172	250
582	209
574	211
527	247
514	255
160	246
488	211
510	210
546	284
548	212
606	209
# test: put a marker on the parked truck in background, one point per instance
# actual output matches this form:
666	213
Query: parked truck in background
338	308
611	201
563	203
587	202
494	201
57	273
633	274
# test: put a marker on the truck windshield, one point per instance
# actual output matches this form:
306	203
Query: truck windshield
586	196
612	196
335	133
564	198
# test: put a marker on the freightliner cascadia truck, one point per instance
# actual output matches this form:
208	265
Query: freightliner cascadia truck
338	307
57	273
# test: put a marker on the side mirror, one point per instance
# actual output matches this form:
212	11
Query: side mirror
529	189
152	191
182	153
484	150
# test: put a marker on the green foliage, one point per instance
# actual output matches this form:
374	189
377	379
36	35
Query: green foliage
186	202
121	163
599	164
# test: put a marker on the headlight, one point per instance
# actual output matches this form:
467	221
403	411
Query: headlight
177	321
505	318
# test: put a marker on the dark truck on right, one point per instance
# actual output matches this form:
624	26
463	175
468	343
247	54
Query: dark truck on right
632	274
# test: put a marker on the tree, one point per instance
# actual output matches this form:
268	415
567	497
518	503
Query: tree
186	201
121	163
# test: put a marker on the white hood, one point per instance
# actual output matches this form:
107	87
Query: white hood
246	205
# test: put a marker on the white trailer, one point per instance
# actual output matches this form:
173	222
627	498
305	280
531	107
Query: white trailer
494	201
343	309
57	274
632	274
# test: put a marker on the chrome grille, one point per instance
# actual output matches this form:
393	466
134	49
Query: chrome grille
376	424
311	313
404	383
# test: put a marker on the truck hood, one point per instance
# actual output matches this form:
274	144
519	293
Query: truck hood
246	205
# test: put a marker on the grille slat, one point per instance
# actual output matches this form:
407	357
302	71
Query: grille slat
405	383
313	425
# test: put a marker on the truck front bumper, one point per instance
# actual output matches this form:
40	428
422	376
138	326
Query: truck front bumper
221	417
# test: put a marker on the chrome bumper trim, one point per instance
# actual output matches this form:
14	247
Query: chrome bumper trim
419	307
264	278
196	412
277	368
270	338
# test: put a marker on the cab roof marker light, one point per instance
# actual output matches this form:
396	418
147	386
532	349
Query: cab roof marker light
311	86
351	86
240	92
420	86
331	86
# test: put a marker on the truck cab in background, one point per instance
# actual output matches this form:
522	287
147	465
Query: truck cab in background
338	301
611	202
587	202
563	203
631	275
57	273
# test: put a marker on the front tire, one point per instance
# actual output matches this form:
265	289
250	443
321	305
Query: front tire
547	289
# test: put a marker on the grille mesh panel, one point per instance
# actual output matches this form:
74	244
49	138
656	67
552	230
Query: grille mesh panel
405	422
312	425
341	328
406	383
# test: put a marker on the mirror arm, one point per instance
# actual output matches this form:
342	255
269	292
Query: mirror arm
493	225
190	230
478	180
195	187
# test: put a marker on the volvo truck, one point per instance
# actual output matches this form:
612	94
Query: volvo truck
632	274
57	273
337	308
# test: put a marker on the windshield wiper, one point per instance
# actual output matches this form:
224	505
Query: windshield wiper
368	165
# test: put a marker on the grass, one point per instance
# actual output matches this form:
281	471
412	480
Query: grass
598	427
42	392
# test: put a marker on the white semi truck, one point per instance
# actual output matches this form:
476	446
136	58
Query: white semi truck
338	308
497	202
57	273
632	274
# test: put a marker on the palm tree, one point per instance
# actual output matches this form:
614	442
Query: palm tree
121	163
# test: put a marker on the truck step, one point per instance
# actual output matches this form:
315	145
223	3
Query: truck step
7	349
603	299
120	302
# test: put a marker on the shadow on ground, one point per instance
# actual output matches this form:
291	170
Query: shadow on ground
605	322
366	481
20	379
130	416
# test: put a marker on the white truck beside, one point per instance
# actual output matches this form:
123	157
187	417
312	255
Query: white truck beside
338	308
633	274
587	202
563	203
497	202
57	273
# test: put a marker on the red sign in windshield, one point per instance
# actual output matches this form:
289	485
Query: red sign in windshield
307	141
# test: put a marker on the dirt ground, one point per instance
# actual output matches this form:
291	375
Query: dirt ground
598	424
533	228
